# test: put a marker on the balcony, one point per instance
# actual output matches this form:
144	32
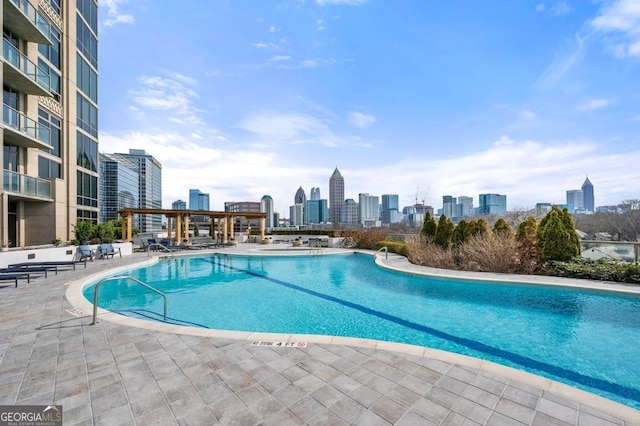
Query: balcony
22	74
20	130
29	187
25	21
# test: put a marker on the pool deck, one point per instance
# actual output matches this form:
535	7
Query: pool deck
127	371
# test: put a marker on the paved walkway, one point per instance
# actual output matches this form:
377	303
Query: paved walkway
115	374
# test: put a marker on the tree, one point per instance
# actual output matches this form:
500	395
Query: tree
526	242
501	227
460	233
429	227
84	231
556	238
444	232
196	230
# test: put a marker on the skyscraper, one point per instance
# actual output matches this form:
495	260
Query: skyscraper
198	200
266	206
49	130
369	209
149	188
179	205
349	212
575	200
118	186
300	196
336	196
492	204
449	206
315	193
587	192
390	209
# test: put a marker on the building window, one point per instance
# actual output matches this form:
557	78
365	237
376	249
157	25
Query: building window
89	11
48	168
10	157
56	5
87	190
54	125
87	115
52	53
87	215
87	79
87	152
87	43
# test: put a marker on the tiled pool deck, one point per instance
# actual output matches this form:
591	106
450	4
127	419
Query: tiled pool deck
117	373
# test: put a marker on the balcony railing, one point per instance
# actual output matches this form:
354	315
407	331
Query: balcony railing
28	22
27	128
26	185
27	68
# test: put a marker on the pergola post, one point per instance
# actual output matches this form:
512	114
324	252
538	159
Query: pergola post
186	227
262	223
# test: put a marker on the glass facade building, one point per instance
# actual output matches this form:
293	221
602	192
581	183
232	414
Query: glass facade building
494	204
336	197
118	186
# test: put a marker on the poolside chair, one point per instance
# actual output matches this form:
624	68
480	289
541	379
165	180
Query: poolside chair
71	264
84	252
105	250
14	277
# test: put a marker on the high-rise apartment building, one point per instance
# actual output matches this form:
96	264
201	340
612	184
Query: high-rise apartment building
465	206
149	189
315	193
336	196
118	186
49	130
198	200
296	215
449	206
266	206
350	211
588	198
369	210
494	204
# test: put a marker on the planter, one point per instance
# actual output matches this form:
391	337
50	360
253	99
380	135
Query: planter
296	243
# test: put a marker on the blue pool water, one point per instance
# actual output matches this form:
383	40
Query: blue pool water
582	338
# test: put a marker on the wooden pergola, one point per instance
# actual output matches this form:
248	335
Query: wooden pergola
222	222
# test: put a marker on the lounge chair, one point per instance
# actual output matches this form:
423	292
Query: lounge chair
85	253
14	277
105	250
58	263
43	270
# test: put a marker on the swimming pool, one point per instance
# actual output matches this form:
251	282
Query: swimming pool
582	338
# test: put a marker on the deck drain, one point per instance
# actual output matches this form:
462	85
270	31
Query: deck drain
76	313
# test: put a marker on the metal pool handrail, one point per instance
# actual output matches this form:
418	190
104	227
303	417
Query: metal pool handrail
123	277
386	251
164	248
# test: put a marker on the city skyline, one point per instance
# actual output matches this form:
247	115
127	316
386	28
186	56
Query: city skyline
424	99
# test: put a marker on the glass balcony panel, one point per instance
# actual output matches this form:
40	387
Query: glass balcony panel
26	185
26	21
28	69
27	127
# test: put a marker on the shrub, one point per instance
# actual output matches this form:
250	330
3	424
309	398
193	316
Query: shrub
84	231
556	237
597	269
460	233
489	253
502	227
363	238
392	246
429	226
423	252
444	232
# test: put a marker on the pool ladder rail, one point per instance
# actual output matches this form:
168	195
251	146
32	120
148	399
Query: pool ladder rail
123	277
315	248
386	251
158	246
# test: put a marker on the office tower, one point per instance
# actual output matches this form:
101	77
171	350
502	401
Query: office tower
449	206
369	210
179	205
149	189
315	193
241	224
198	200
316	211
465	206
349	212
336	196
492	204
118	186
300	196
296	216
575	200
266	206
390	209
588	200
49	130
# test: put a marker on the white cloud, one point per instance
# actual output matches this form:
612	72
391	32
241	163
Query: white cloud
593	104
114	16
273	29
560	8
320	25
171	93
562	63
527	115
358	119
620	22
540	7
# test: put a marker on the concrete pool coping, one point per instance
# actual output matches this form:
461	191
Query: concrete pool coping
390	261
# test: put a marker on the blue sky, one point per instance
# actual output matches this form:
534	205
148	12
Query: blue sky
417	98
